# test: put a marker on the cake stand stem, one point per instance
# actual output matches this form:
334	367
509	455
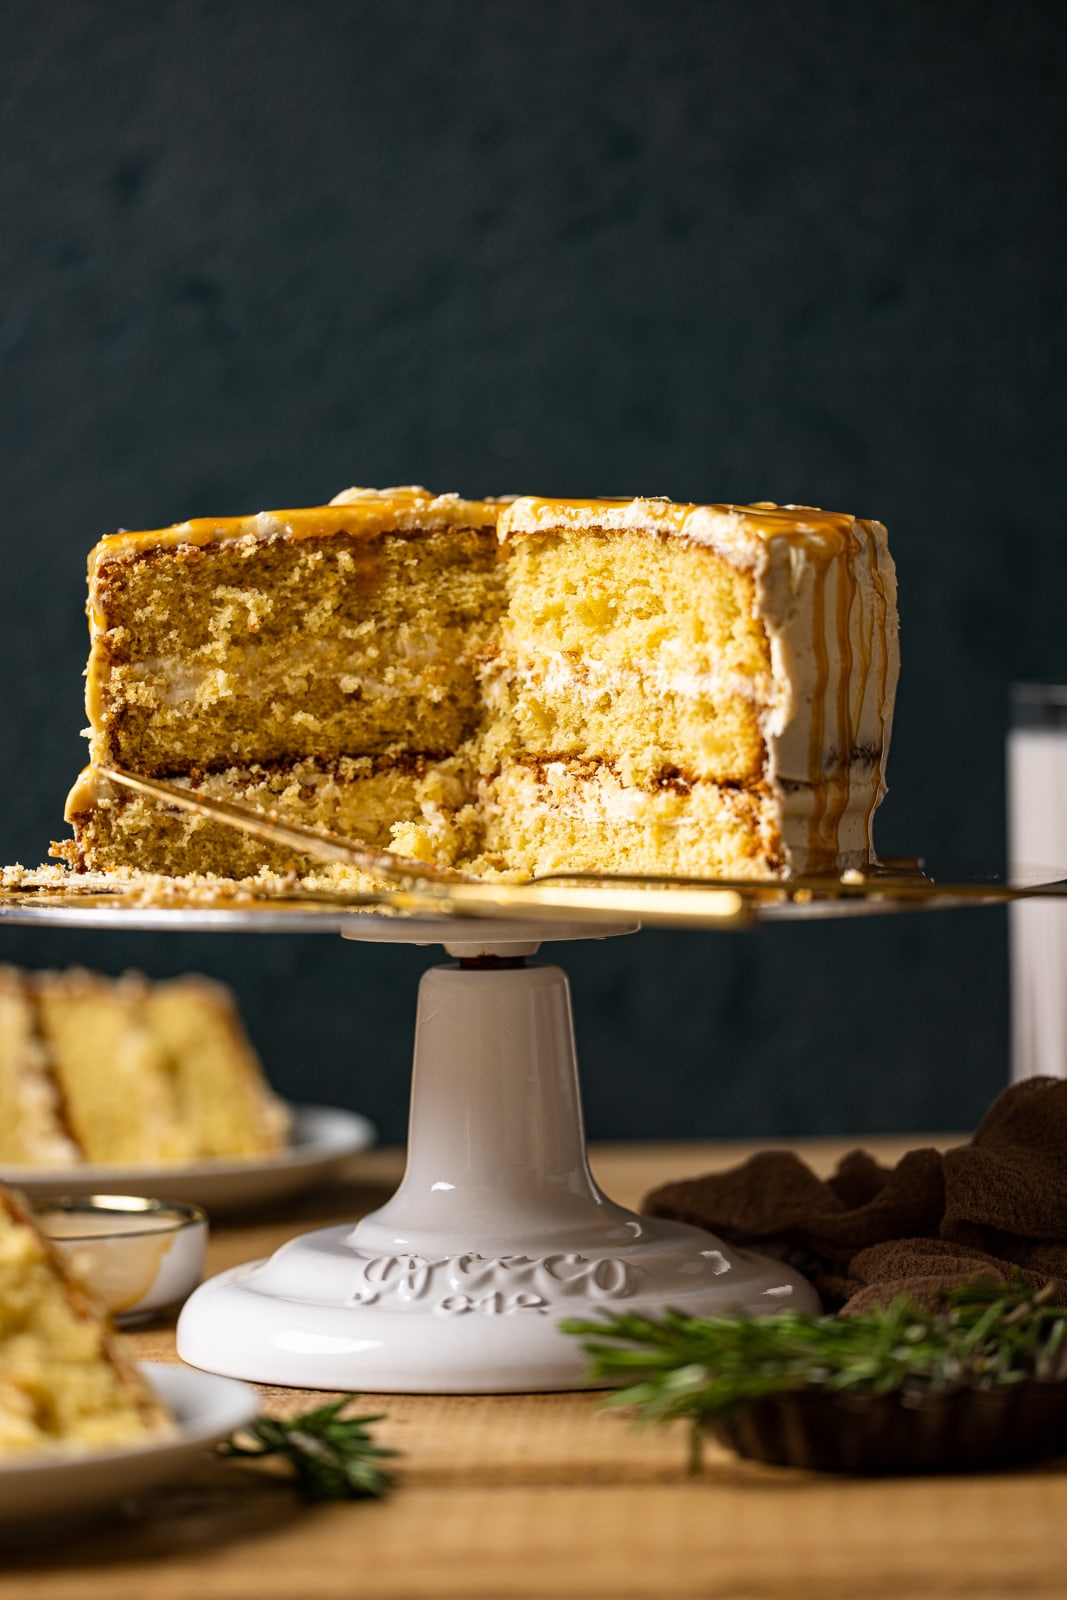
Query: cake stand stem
496	1149
497	1230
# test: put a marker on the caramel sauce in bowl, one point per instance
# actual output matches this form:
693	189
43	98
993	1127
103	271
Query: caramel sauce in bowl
136	1257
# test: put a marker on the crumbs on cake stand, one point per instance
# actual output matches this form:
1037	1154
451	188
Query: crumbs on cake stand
150	888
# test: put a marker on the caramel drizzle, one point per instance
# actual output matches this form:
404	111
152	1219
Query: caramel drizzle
818	708
865	636
856	646
883	599
371	514
841	782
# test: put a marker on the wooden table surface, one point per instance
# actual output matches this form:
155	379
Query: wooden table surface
544	1495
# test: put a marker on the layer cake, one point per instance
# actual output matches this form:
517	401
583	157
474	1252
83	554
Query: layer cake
514	686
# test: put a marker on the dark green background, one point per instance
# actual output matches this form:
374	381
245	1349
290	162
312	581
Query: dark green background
805	250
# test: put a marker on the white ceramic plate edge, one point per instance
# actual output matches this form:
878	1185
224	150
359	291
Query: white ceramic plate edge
323	1137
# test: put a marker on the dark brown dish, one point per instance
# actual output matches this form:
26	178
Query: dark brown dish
881	1435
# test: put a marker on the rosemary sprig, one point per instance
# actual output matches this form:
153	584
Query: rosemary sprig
333	1457
983	1334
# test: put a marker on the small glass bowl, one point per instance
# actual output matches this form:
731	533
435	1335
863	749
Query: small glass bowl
137	1257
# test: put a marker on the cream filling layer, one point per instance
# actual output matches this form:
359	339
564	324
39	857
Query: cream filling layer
176	681
603	796
590	679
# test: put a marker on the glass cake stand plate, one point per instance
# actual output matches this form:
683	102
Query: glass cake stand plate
457	1283
322	1142
560	905
44	1494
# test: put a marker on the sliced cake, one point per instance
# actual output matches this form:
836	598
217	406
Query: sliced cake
515	687
127	1071
63	1383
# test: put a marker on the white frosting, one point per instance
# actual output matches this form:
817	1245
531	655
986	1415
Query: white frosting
835	657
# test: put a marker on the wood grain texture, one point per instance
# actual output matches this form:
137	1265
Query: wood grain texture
521	1496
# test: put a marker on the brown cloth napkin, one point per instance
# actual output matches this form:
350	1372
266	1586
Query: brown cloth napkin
996	1206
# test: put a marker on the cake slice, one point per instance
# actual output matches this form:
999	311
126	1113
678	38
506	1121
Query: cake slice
63	1382
516	687
222	1099
110	1069
127	1071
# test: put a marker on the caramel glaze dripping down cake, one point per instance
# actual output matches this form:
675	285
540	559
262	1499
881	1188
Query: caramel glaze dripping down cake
63	1383
521	686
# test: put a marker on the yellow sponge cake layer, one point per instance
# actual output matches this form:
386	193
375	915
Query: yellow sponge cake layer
215	1076
111	1071
359	797
32	1128
620	648
256	651
584	817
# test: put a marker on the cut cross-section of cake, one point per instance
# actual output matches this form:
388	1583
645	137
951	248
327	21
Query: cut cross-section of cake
63	1383
520	687
691	689
323	663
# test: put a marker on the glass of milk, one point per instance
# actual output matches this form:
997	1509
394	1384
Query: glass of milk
1037	837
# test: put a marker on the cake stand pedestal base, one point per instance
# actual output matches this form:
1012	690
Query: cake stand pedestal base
498	1230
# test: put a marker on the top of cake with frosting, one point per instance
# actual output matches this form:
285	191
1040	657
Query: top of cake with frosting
364	513
742	531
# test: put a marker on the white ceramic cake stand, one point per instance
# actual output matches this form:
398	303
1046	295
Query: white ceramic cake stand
498	1230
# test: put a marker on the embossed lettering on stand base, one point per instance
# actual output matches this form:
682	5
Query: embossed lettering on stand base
453	1286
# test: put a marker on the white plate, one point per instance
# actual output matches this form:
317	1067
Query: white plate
321	1142
206	1409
